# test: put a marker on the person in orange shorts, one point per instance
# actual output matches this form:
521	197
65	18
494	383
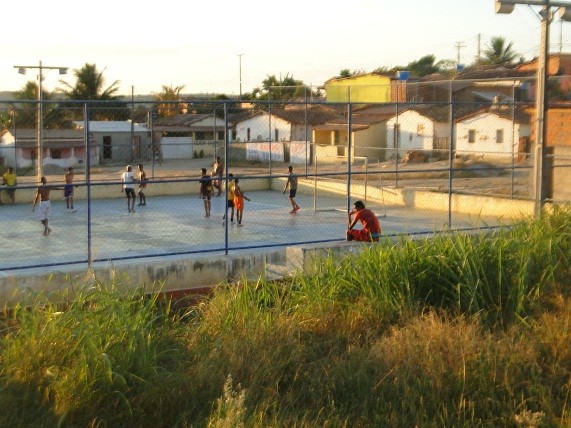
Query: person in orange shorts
239	201
371	227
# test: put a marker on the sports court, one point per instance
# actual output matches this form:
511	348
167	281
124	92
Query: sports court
175	225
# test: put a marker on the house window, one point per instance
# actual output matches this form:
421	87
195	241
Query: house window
248	134
420	129
471	135
499	136
55	153
276	134
107	147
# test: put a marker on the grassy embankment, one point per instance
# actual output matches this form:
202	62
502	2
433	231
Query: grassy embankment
460	330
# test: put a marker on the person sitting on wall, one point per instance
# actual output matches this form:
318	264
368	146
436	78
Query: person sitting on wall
371	226
9	180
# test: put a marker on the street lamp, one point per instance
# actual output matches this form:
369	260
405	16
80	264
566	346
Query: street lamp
240	70
22	70
507	6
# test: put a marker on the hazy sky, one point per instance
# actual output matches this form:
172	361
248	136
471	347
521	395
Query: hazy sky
196	44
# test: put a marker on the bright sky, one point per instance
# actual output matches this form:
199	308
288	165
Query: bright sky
196	44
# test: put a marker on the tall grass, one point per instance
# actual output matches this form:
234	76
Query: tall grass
459	330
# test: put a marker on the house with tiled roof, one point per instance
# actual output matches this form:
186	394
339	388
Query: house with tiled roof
499	130
365	88
368	134
283	130
420	127
61	147
119	140
187	135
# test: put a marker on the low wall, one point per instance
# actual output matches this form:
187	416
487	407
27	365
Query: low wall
102	190
167	274
460	203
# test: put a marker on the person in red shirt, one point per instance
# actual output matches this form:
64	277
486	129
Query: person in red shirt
371	226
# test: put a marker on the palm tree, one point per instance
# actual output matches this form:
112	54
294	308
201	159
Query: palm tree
499	52
54	116
170	101
90	86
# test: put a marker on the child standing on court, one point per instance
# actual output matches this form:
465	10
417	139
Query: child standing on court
142	185
239	197
206	191
292	183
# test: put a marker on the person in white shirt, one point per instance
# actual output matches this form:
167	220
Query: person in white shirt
128	187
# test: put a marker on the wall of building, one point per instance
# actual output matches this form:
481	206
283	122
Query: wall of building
367	88
485	126
416	131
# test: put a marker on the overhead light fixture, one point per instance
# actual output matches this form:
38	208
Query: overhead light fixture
565	14
63	70
22	70
503	7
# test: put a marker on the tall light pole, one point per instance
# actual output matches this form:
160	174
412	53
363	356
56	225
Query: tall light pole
240	71
507	6
40	119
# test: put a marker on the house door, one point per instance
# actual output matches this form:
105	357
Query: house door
107	147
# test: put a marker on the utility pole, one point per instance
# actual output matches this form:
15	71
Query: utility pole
479	54
40	118
459	46
507	6
240	71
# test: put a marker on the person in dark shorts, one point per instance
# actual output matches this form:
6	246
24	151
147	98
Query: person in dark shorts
68	190
128	187
292	184
371	226
206	191
142	185
230	201
9	182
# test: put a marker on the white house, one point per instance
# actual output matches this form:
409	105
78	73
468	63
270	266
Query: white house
285	131
7	149
495	131
419	129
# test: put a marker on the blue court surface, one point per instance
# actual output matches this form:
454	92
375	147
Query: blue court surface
170	225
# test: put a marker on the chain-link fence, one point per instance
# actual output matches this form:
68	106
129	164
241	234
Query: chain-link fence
421	166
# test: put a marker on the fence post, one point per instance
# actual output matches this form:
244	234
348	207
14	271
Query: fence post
349	157
451	154
88	181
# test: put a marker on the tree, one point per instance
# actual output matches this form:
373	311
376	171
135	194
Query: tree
170	101
348	73
424	66
90	86
499	52
26	112
5	120
286	88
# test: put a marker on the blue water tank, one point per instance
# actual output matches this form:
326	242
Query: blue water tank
403	75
